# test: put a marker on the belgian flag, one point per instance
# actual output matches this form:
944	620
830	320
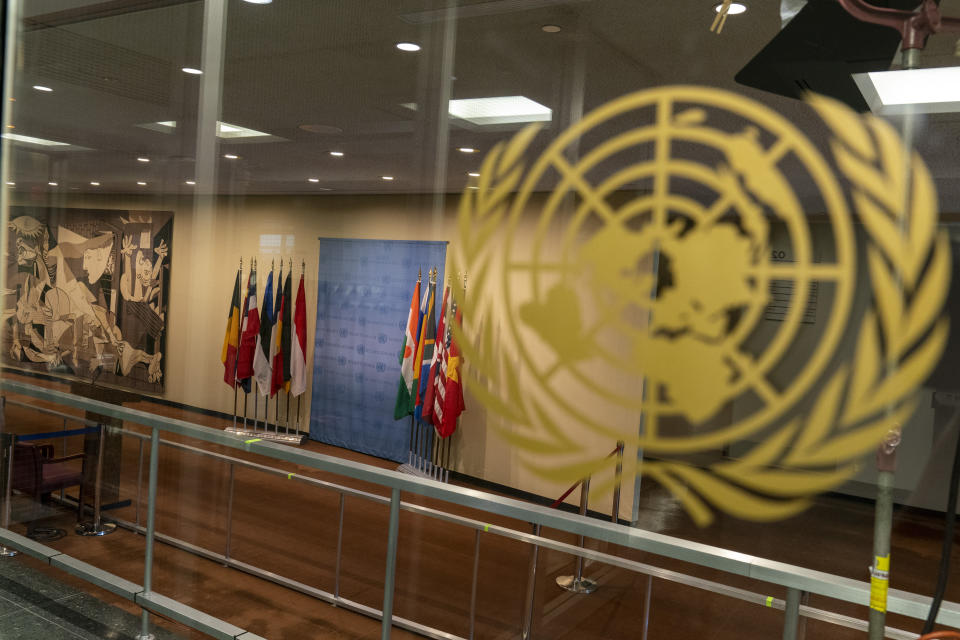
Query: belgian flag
231	338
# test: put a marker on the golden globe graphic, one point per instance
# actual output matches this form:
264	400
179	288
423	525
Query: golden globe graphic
652	277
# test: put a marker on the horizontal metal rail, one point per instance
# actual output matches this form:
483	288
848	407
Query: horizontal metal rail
131	591
547	543
53	412
786	575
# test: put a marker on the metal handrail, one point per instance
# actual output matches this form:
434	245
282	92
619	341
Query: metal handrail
479	526
790	576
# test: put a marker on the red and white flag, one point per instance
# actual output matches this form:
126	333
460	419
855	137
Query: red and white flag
298	357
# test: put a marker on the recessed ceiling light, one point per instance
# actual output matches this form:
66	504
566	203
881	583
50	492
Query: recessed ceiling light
736	8
408	46
935	90
338	154
230	156
473	187
474	175
52	184
10	126
94	184
466	150
191	182
40	87
550	28
141	183
142	159
313	179
11	184
387	177
192	71
16	137
258	1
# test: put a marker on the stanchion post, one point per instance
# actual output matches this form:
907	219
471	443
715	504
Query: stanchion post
151	526
577	583
791	614
336	572
527	628
229	530
473	585
97	527
391	572
615	511
63	452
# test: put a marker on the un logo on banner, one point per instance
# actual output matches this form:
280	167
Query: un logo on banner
640	295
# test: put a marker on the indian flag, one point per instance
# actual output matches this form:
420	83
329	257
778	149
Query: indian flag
408	353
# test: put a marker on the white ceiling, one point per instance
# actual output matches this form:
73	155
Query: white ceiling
115	64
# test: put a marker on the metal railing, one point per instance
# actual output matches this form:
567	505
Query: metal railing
797	580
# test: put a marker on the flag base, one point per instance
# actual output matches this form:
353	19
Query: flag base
423	469
296	437
571	583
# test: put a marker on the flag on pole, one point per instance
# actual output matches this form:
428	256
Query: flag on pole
429	398
298	359
249	331
286	340
453	404
405	398
425	345
261	358
231	338
276	355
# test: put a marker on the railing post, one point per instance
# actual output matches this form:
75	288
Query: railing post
646	607
391	572
229	532
336	574
577	583
151	526
473	585
525	633
791	614
7	552
139	477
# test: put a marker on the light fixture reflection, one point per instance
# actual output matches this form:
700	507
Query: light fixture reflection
408	46
40	87
192	71
736	8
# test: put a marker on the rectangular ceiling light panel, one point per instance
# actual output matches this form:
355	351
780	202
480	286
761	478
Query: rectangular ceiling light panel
934	90
502	110
16	137
224	130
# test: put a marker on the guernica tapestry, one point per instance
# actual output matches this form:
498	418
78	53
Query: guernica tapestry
86	294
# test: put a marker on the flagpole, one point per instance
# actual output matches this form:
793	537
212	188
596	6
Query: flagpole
236	358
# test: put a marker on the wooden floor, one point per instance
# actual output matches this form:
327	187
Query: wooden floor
290	528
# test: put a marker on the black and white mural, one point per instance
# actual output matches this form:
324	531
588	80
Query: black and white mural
86	293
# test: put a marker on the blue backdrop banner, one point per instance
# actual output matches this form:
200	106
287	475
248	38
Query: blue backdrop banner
363	297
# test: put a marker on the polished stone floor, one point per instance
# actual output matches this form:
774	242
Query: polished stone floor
36	606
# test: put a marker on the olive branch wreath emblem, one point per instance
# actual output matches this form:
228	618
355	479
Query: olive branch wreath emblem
901	336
